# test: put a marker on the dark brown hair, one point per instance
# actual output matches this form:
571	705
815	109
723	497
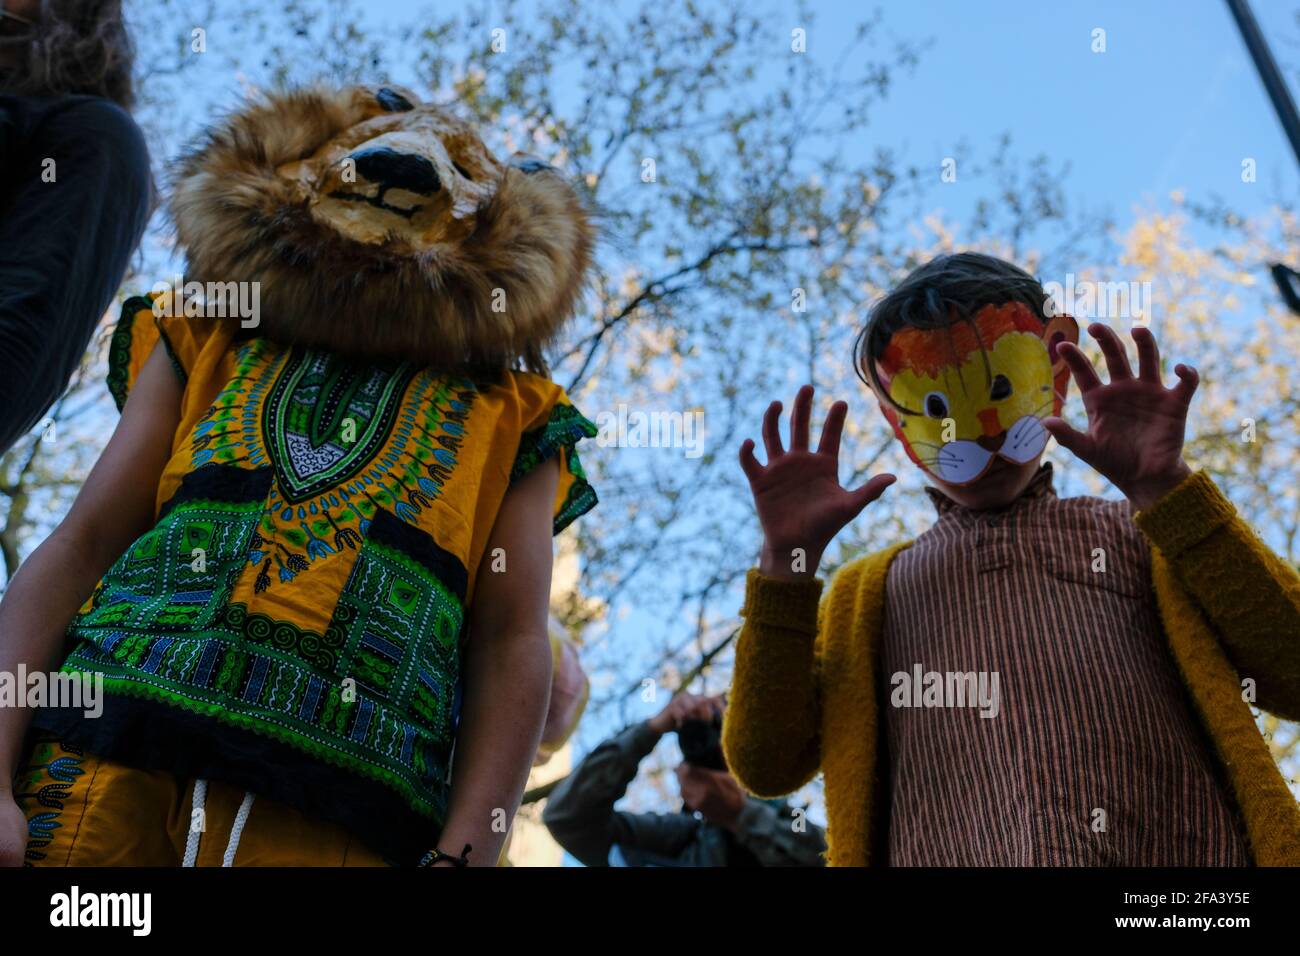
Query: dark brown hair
77	46
946	290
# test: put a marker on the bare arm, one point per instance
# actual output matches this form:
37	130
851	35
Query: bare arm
113	508
507	672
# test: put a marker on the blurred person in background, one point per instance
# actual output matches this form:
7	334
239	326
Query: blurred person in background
75	192
718	825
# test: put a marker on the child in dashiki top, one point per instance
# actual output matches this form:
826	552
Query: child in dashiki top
314	535
299	604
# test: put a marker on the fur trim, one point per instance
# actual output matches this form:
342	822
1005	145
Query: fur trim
240	218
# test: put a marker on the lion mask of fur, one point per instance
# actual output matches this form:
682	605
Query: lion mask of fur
381	227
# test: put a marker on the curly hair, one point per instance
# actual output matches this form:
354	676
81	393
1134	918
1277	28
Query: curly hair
76	46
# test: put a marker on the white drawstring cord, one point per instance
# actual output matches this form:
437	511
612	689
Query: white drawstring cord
236	829
196	825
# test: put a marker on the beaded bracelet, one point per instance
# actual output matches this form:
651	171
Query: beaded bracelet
436	856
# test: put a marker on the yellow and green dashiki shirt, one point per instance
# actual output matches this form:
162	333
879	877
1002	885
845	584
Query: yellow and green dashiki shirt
294	622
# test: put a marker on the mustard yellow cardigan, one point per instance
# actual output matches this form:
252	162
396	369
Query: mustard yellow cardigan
803	693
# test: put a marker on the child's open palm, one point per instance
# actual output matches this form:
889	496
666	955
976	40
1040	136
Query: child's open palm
1135	424
801	504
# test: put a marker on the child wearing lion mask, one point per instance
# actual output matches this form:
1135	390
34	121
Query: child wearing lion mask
314	558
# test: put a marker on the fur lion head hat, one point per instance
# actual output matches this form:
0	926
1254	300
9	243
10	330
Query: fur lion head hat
382	227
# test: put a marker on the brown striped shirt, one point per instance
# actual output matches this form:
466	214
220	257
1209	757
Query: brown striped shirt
1095	756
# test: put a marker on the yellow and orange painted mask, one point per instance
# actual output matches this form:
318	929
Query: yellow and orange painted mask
976	390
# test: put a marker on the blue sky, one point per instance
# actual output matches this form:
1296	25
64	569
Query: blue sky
1173	103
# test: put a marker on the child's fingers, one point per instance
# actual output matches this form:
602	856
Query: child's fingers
831	431
1188	379
800	417
1111	347
1148	354
748	463
869	492
1066	435
772	432
1085	376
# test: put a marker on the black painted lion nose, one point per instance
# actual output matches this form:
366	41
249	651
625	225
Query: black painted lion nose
390	169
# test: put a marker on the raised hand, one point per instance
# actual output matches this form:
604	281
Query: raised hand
1135	424
801	504
684	707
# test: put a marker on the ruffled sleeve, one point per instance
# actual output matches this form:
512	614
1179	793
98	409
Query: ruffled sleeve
555	428
138	330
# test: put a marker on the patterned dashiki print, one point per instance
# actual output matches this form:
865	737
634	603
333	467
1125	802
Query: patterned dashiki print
294	621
